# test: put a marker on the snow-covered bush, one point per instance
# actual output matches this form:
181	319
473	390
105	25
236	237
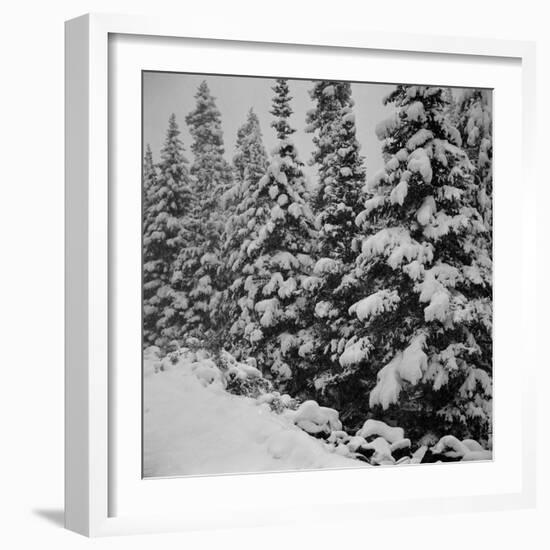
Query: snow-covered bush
467	449
316	420
381	429
278	403
242	378
247	386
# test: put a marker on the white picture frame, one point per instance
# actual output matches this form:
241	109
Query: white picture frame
92	470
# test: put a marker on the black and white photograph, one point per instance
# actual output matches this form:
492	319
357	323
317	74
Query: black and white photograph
317	274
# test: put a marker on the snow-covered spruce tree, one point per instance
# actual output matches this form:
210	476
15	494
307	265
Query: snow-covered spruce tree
474	121
273	259
150	184
250	158
336	203
150	283
210	169
423	342
337	199
198	274
167	199
249	165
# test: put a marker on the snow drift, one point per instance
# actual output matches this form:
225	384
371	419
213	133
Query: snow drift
192	426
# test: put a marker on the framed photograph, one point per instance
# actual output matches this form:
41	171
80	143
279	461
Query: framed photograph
292	274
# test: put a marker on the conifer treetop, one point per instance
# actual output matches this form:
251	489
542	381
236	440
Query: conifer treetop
341	170
172	152
281	109
169	192
148	158
250	158
205	121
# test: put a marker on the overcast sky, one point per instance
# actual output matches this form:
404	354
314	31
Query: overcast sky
166	93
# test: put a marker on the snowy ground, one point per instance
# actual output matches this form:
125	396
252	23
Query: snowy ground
192	426
204	417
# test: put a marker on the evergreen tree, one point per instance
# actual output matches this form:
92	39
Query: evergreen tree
210	169
250	159
150	185
249	165
198	270
167	199
422	347
337	202
274	258
150	282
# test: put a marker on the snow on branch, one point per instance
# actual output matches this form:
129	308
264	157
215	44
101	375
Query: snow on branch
379	302
407	366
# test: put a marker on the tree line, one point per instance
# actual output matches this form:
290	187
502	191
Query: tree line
370	293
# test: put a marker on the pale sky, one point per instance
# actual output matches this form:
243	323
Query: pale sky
166	93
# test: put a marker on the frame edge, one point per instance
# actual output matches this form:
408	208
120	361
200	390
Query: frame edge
77	79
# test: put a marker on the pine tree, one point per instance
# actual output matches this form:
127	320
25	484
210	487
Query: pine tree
274	258
197	275
210	169
422	347
150	282
150	184
337	200
167	199
336	203
249	165
250	159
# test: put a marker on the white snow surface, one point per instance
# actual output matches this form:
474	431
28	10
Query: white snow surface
192	426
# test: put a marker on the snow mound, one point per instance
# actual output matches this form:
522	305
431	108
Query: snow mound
382	451
193	426
314	419
467	450
377	427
